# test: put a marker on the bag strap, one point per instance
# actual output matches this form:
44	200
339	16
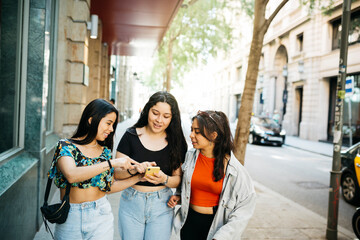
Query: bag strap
67	192
47	191
48	187
47	228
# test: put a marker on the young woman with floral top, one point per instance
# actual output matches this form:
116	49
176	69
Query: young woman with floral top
84	161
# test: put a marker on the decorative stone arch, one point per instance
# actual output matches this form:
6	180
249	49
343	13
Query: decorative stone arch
280	61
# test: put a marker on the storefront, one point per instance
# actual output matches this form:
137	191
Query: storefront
27	67
351	111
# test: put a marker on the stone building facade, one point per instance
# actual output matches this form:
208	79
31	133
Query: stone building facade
297	72
82	65
50	69
299	69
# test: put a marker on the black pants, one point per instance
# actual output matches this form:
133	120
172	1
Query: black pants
197	225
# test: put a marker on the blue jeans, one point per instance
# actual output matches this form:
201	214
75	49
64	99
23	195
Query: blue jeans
145	215
88	220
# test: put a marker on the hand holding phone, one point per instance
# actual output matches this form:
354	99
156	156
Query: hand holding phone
151	170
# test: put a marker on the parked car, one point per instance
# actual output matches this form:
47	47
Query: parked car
350	174
266	130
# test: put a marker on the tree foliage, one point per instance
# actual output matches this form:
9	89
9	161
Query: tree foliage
198	32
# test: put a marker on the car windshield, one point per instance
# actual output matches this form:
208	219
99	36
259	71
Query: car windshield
354	148
265	122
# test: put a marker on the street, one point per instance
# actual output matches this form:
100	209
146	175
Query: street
298	175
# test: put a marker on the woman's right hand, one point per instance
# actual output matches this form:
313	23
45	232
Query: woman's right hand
124	163
141	167
173	201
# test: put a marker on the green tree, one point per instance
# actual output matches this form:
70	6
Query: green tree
261	25
199	31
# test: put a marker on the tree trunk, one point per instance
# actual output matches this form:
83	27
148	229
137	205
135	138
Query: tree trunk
247	99
169	65
261	25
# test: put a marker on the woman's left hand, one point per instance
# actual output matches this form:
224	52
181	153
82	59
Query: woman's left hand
173	201
157	178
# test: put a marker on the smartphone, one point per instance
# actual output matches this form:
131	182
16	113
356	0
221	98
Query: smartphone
152	170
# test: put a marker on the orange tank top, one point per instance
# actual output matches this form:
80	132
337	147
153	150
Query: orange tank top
205	192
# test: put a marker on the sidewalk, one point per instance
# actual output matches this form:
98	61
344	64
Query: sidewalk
275	217
310	146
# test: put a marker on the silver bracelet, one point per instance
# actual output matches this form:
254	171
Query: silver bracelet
166	181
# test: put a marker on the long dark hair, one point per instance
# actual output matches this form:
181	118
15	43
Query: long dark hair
174	134
97	110
216	121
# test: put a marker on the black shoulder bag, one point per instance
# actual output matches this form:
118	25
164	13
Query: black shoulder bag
55	213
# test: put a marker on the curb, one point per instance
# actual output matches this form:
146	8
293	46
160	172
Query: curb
307	150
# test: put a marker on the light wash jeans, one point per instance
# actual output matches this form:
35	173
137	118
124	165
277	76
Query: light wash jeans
88	220
145	215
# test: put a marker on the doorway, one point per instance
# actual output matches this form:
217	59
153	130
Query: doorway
332	102
298	107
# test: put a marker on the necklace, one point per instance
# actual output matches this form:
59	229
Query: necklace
93	145
96	143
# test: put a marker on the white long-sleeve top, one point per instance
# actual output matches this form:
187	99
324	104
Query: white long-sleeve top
236	204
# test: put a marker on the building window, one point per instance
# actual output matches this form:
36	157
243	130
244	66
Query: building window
239	73
50	60
354	30
10	73
262	61
261	97
299	42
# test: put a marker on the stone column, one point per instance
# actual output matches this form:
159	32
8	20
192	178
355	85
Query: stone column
71	94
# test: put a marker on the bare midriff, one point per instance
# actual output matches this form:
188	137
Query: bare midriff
202	210
141	188
80	195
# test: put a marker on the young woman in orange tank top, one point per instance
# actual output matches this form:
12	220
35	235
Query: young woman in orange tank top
217	195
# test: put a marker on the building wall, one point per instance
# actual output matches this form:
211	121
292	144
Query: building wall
125	78
73	44
22	167
78	54
309	69
317	60
44	47
98	62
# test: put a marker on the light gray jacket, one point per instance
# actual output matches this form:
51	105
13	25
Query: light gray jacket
236	204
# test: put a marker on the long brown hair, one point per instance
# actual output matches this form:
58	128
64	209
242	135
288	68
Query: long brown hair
216	121
174	132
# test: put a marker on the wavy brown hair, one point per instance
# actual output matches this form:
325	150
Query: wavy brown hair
216	121
174	133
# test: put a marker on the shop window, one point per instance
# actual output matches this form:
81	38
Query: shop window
10	74
352	111
354	30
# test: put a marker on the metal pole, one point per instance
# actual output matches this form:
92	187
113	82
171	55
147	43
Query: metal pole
333	207
350	133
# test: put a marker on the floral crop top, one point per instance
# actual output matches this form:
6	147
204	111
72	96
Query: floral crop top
66	148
